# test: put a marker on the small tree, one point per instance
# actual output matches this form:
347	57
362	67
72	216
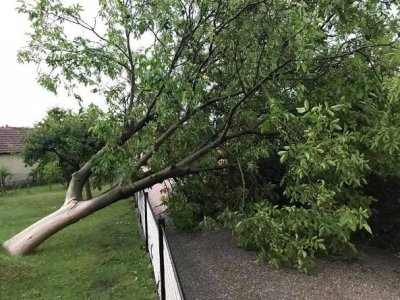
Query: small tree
61	143
4	174
51	173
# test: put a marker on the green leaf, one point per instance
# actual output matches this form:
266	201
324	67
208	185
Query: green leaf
283	157
306	105
301	110
331	113
337	107
367	228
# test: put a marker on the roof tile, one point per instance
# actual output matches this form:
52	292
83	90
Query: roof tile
11	138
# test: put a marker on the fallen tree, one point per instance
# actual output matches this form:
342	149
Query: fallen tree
218	77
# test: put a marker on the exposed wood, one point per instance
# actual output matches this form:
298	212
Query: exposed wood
88	190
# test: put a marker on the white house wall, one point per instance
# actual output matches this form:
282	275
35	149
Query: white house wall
16	166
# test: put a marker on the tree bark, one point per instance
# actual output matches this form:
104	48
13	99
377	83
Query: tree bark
27	240
75	209
88	190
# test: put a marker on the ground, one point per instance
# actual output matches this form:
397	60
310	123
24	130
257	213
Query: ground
211	266
100	257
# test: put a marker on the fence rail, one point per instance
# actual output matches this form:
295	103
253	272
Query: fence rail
153	229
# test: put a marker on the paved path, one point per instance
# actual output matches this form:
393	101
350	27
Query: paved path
212	267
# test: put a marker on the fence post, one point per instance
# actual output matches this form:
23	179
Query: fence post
146	229
161	226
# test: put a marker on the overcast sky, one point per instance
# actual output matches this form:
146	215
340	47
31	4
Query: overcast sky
22	101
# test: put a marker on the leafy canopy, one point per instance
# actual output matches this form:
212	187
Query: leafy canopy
62	142
313	81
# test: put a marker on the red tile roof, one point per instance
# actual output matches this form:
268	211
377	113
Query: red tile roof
11	139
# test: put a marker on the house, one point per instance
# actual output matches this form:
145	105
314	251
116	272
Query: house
11	143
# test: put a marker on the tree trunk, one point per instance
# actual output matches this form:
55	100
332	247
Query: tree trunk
27	240
88	190
75	209
3	185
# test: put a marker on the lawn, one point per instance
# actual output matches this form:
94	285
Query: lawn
100	257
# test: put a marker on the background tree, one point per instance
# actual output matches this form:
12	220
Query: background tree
61	143
4	174
51	173
312	81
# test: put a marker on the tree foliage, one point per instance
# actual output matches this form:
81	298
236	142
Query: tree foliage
62	142
65	138
4	174
315	82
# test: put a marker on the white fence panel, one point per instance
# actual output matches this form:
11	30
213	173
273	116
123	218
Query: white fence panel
172	286
153	246
173	290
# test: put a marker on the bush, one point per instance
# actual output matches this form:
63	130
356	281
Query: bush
4	174
208	223
184	214
213	194
292	236
298	221
201	196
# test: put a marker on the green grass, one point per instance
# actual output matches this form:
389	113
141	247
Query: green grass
100	257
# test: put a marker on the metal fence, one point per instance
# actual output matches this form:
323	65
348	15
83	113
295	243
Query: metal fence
166	276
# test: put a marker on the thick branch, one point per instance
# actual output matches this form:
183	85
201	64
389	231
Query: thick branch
132	73
218	141
78	179
133	128
238	14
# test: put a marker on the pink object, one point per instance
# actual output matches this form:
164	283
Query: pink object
155	197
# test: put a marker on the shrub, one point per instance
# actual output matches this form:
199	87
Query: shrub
292	236
208	223
4	174
184	214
